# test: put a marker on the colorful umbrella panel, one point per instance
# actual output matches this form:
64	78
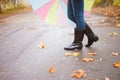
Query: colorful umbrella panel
54	12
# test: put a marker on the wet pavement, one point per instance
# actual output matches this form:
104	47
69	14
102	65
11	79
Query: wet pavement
22	59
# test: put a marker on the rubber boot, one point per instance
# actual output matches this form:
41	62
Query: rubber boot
91	36
78	38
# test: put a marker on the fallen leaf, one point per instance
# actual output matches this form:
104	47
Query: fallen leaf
90	79
114	54
4	71
31	28
52	69
117	64
68	54
102	21
87	59
77	58
118	24
92	54
113	33
76	54
41	45
100	59
34	79
78	74
106	78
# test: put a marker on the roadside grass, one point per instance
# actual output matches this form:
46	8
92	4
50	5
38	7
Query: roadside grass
112	13
10	12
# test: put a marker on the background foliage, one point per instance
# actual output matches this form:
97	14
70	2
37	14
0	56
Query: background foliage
107	2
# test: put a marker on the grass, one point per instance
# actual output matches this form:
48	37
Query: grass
10	12
112	13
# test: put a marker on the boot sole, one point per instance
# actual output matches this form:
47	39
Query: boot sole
73	48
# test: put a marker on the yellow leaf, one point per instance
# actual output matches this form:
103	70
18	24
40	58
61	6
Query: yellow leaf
118	24
90	79
52	69
68	54
41	45
78	74
31	28
87	59
76	54
106	78
117	64
92	54
113	33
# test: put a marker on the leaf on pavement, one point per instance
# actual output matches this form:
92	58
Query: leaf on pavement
106	78
113	33
90	79
92	54
68	54
114	54
52	69
87	59
78	74
76	54
31	28
41	45
34	79
116	64
118	24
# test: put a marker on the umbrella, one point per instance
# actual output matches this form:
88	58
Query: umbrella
55	11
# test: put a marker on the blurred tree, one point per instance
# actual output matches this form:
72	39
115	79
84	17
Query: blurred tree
116	3
14	3
0	7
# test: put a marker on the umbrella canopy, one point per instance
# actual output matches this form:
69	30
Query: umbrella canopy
55	11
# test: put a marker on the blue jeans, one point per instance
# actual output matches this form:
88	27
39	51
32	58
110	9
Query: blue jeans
76	13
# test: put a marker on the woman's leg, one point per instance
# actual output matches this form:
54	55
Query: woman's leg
78	31
70	11
78	12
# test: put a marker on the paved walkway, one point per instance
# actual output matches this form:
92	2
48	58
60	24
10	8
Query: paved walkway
22	59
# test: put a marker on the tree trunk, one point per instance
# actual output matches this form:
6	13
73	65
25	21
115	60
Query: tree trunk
14	3
111	2
102	1
0	7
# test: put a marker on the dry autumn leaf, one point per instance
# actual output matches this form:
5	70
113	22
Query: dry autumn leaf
76	54
78	74
116	64
106	78
90	79
41	45
118	24
4	71
31	28
113	33
92	54
114	54
52	69
68	54
87	59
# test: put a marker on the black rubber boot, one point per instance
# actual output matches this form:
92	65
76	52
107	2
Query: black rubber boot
91	36
78	38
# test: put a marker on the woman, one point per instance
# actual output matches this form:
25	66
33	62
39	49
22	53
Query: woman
76	14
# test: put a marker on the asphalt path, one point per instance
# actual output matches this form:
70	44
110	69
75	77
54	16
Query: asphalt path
21	58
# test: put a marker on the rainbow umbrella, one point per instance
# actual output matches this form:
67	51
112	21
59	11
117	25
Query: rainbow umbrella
54	12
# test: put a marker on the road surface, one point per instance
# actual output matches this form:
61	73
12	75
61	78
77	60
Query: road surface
21	58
